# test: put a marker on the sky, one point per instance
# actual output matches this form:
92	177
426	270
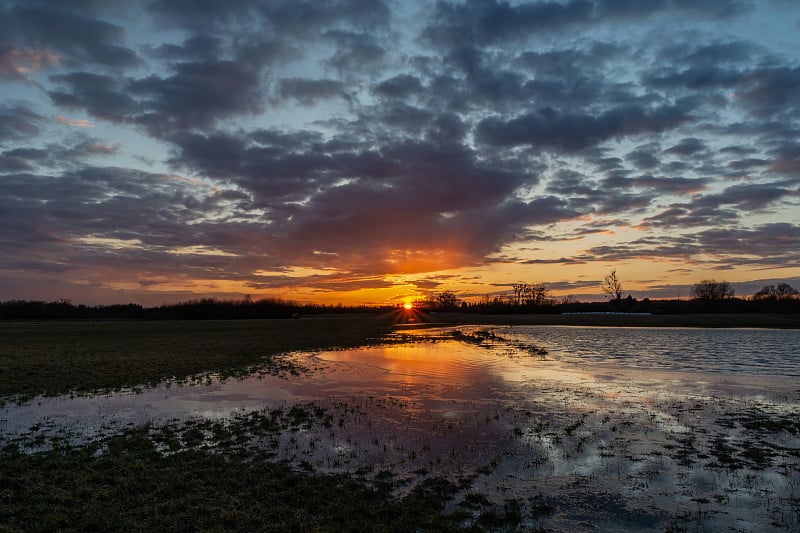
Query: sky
378	151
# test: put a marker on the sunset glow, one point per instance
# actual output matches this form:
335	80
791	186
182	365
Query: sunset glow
380	153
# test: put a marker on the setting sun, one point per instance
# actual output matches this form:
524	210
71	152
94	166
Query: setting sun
408	306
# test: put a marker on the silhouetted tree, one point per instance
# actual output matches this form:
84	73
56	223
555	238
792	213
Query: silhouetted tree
612	286
446	300
535	294
783	291
529	294
712	290
519	291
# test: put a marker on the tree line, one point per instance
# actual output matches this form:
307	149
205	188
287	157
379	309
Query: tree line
707	296
202	309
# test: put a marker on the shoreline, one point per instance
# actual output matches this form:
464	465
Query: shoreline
732	320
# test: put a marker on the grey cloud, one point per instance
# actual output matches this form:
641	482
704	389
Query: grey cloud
100	95
401	86
198	93
778	241
643	157
196	47
787	159
711	210
747	164
747	197
18	121
55	156
355	51
570	63
297	18
307	91
305	15
77	38
659	185
772	91
684	216
489	22
696	78
568	132
687	147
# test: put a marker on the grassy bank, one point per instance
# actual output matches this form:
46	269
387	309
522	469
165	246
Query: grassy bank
62	357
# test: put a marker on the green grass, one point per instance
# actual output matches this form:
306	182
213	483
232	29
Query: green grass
83	356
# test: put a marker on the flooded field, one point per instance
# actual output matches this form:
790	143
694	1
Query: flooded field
572	429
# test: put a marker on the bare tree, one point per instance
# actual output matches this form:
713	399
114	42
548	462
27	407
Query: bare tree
446	300
535	294
519	291
612	286
783	291
529	293
710	289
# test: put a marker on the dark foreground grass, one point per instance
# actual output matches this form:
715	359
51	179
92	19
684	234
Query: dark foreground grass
85	356
133	487
214	476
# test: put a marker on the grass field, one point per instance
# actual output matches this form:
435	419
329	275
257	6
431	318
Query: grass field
84	356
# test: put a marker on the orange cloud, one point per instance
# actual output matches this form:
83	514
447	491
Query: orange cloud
17	63
74	123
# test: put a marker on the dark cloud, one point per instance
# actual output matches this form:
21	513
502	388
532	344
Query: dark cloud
401	86
569	63
786	162
771	91
657	184
100	95
355	51
774	244
16	62
196	47
488	22
292	18
307	91
706	77
53	156
741	165
747	197
569	132
687	147
197	94
76	38
644	157
687	216
18	122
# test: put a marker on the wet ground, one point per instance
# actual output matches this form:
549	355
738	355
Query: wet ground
570	447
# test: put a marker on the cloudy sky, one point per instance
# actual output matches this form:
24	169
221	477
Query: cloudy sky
367	151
